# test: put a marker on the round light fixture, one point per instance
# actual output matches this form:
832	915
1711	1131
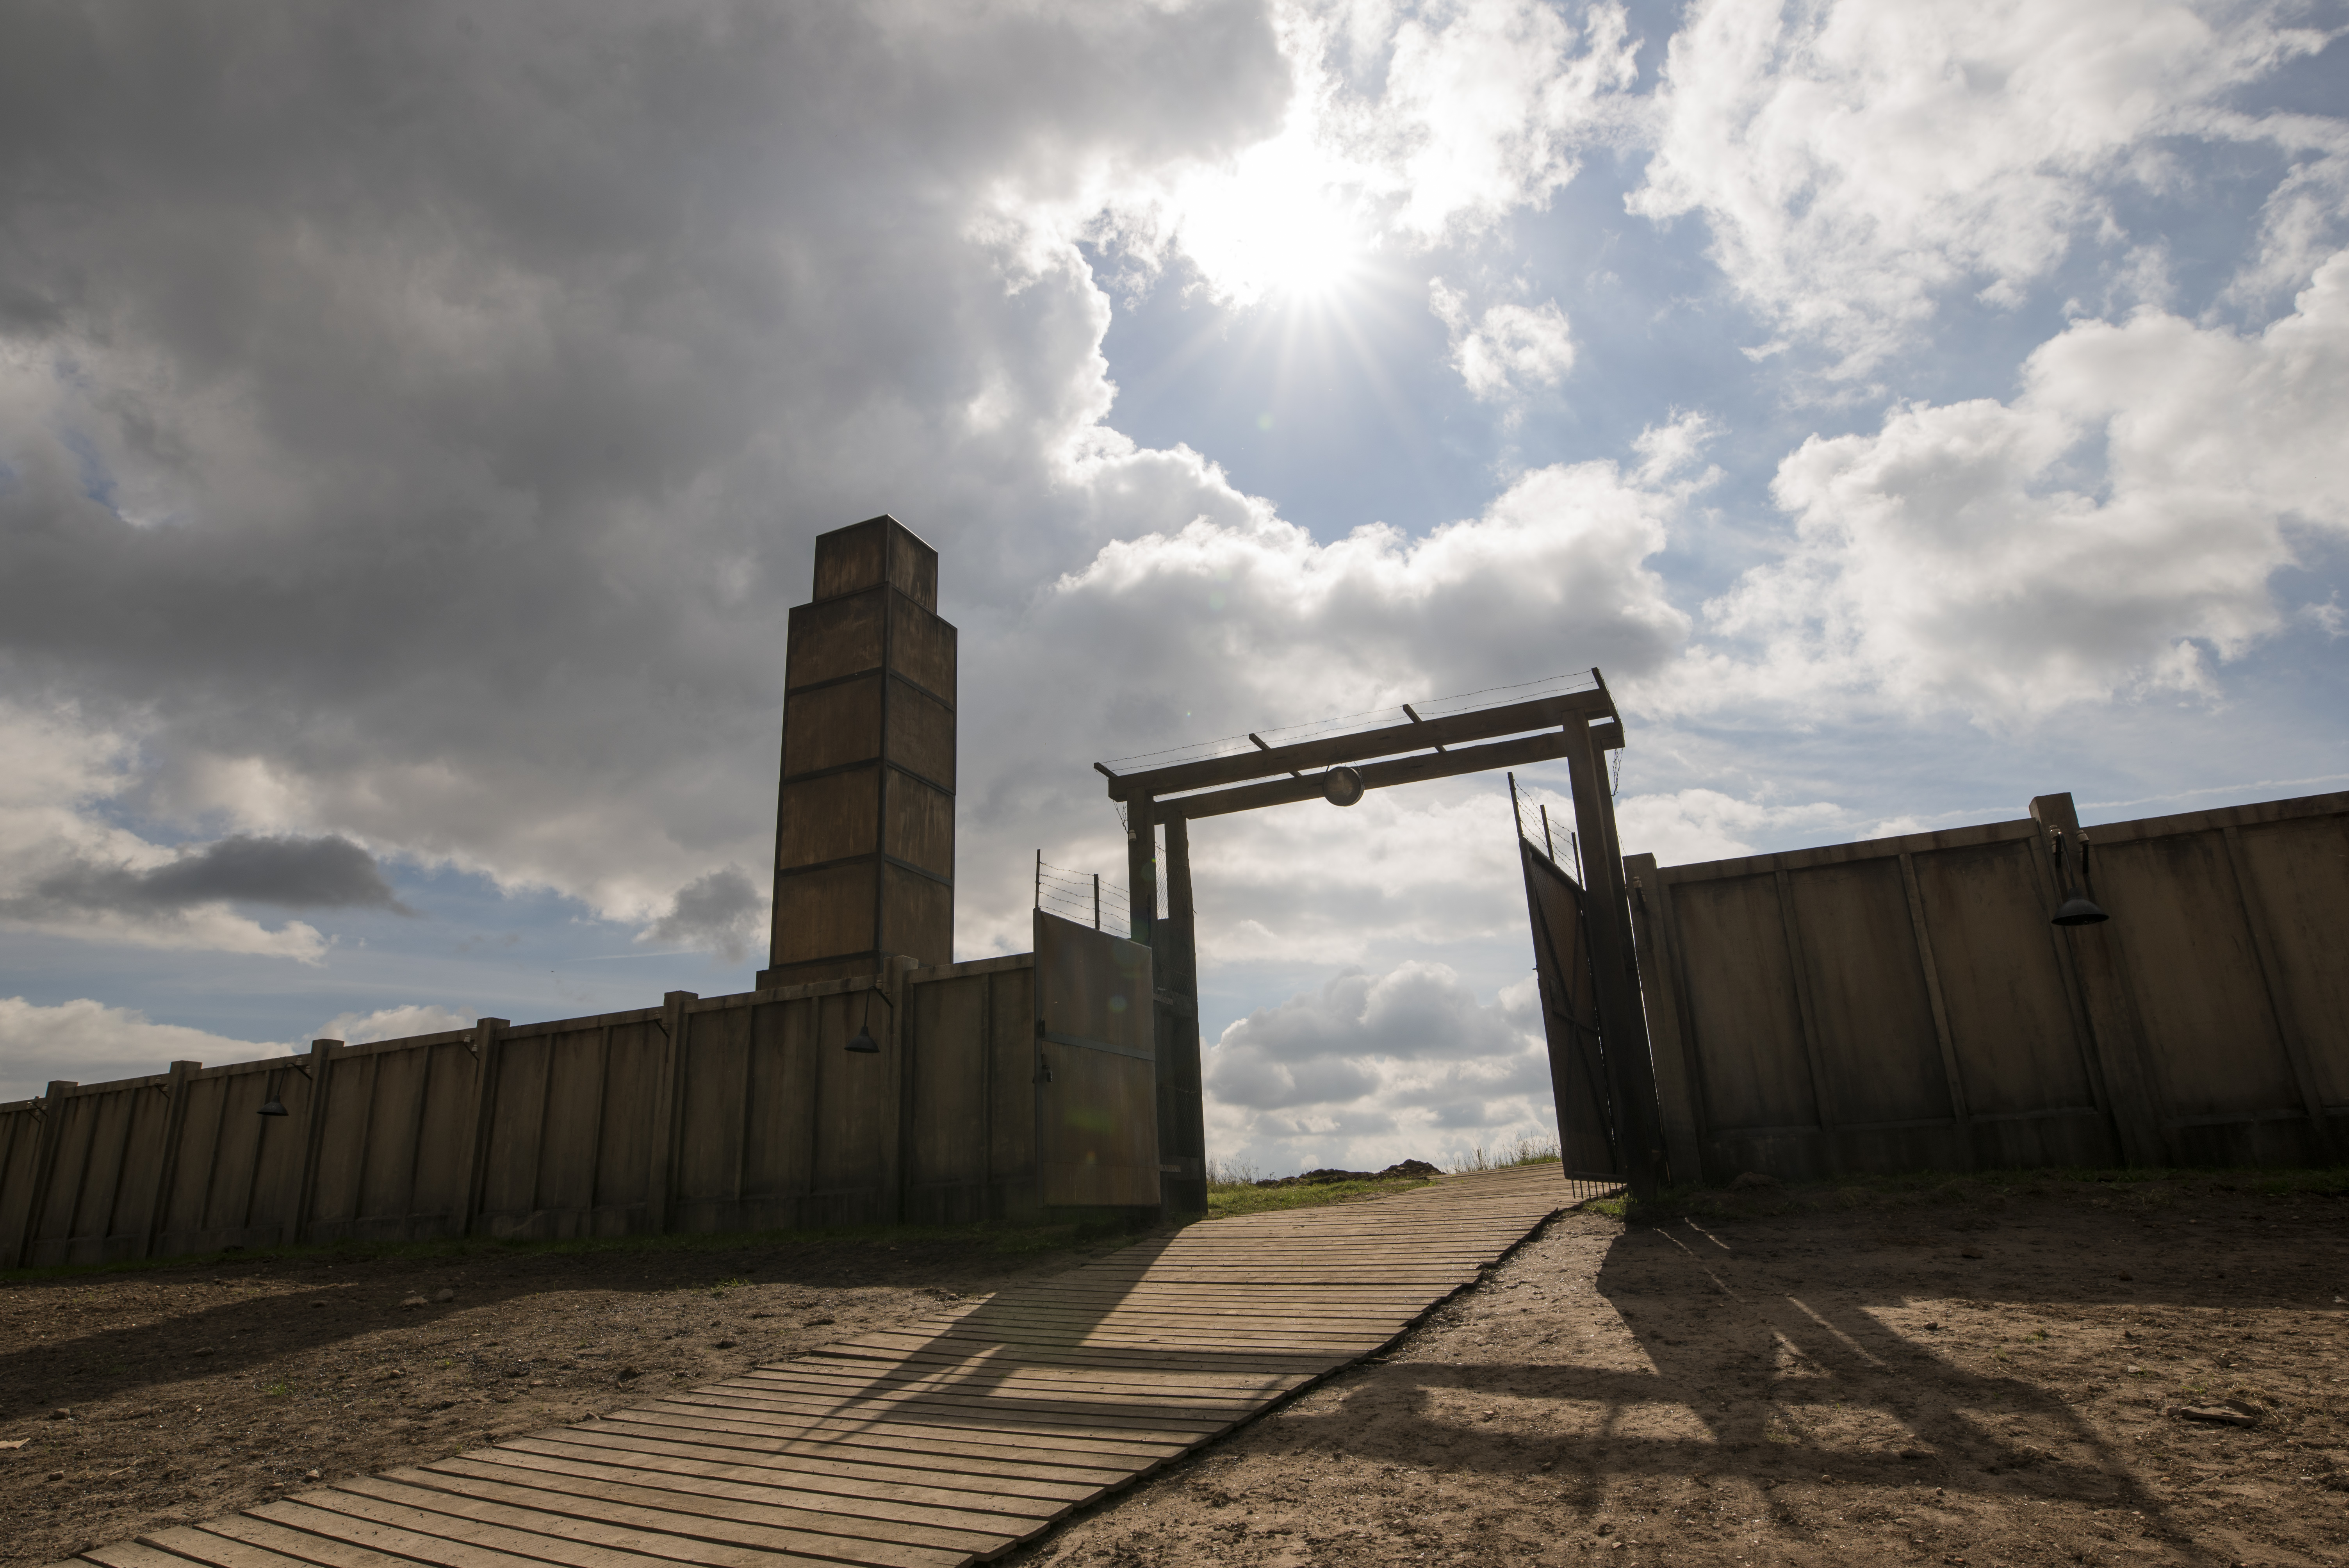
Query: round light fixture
1341	786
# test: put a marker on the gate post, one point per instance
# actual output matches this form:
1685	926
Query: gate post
1175	964
1622	1028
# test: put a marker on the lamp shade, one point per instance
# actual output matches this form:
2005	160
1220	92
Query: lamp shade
863	1041
272	1107
2077	910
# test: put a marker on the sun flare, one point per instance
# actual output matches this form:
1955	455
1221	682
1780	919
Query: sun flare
1282	223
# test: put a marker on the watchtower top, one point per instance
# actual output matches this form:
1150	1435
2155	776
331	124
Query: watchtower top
868	555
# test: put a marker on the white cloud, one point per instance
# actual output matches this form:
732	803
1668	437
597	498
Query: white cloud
1859	161
88	1042
1510	350
2112	529
1690	825
392	1024
1243	621
1405	129
1374	1069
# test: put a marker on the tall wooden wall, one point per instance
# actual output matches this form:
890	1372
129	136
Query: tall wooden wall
1903	1003
719	1113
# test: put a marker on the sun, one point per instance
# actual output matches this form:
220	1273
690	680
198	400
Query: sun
1281	223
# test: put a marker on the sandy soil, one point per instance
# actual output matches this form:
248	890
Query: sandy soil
1979	1380
1982	1381
151	1398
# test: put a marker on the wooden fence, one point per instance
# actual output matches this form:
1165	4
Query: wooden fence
1904	1004
721	1113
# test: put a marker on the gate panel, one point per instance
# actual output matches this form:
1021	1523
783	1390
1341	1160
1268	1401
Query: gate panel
1096	1090
1578	1058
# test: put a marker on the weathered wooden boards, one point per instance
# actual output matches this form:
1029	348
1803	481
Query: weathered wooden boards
947	1441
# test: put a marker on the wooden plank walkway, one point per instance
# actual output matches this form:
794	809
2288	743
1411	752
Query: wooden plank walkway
947	1441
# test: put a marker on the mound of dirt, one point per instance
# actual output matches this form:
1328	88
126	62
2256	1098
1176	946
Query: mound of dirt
1324	1177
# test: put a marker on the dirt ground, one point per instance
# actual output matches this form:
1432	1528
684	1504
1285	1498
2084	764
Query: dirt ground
1980	1381
1983	1379
154	1397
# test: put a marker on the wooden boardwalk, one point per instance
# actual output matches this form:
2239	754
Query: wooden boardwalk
947	1441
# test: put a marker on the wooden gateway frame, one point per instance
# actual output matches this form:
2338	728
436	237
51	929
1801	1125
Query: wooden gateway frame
1578	726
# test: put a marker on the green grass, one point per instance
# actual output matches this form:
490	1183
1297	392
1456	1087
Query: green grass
1523	1151
1012	1241
1226	1199
2139	1189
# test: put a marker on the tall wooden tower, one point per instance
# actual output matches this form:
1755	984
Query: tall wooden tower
864	832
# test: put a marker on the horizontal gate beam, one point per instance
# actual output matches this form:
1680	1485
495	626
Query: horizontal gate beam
1594	708
1375	776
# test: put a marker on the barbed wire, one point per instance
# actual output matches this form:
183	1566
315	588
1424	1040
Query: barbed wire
1070	894
1433	707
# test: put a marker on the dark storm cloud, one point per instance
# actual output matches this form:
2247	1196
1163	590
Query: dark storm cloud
328	872
416	417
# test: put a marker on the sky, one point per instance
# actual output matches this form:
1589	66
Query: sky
414	421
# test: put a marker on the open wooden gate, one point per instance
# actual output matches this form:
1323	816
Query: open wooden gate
1096	1068
1587	1138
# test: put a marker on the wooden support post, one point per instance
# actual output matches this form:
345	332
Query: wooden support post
1141	867
665	1107
1630	1076
2116	1038
489	1036
44	1160
1182	1104
314	1127
167	1160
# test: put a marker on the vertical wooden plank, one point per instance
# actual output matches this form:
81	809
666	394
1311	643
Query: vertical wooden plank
986	1194
167	1164
488	1038
1917	924
663	1165
108	1222
367	1092
1806	1010
603	1094
901	1081
2263	948
542	1153
408	1206
750	1100
1675	1094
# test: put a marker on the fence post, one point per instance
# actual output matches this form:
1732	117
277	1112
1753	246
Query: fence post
167	1164
45	1160
2116	1039
488	1035
665	1106
312	1131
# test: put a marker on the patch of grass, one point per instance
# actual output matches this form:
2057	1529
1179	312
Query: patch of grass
1017	1241
1524	1152
1224	1200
